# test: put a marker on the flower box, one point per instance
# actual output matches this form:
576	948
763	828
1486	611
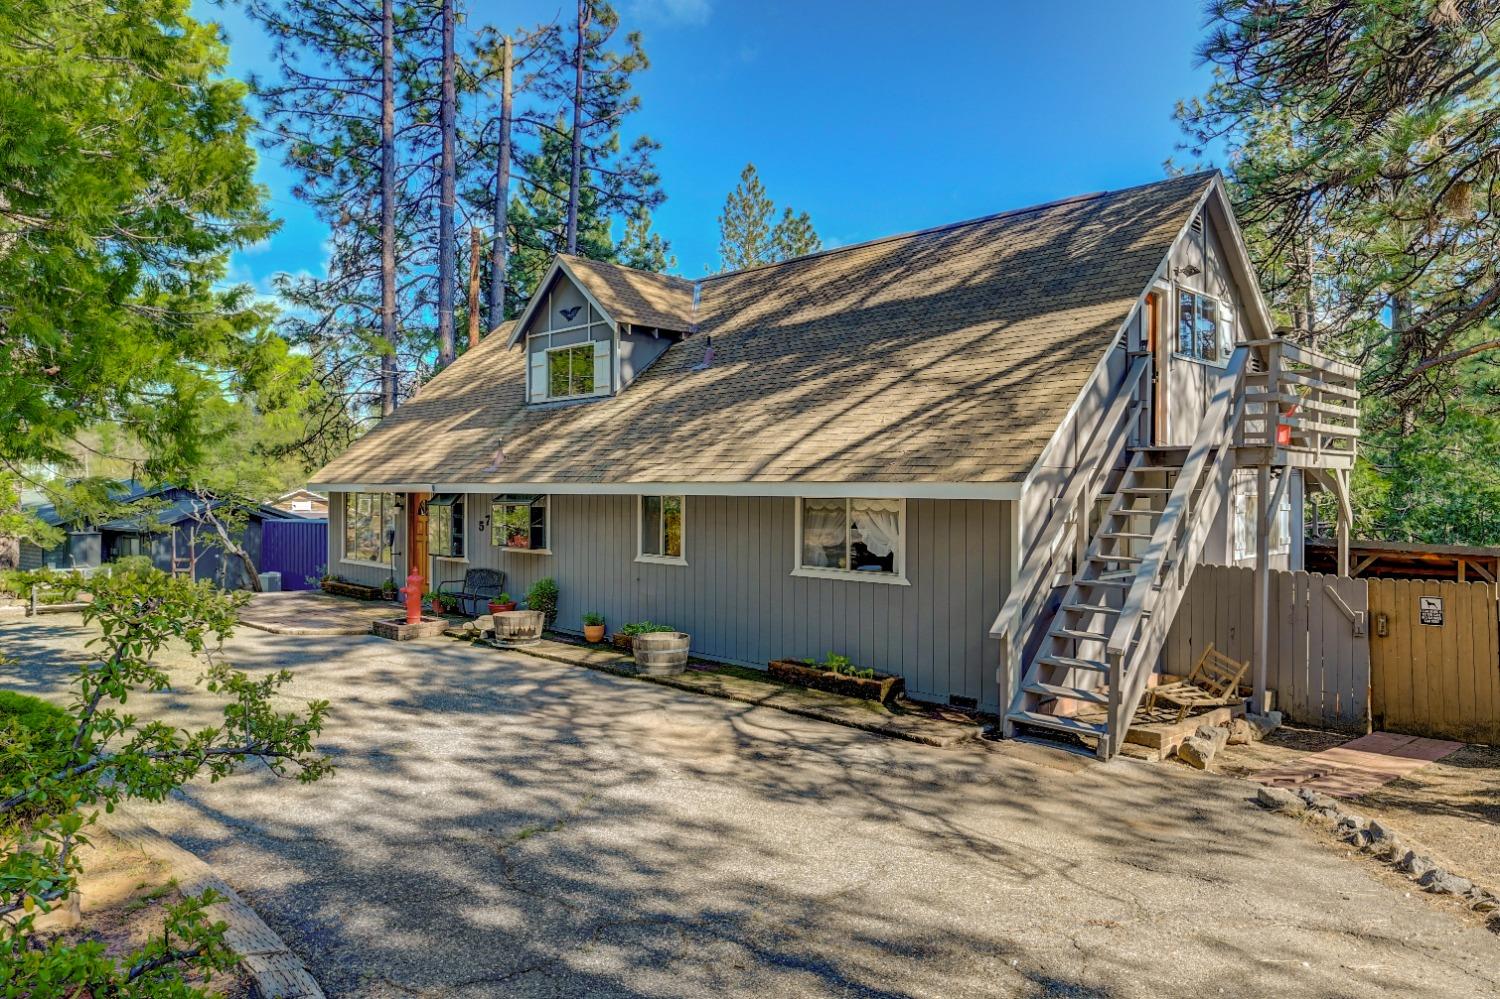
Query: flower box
359	591
881	687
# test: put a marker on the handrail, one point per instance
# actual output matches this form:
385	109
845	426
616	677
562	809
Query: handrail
1213	431
1042	555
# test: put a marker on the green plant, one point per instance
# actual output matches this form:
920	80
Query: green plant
593	619
645	628
387	586
542	596
504	598
841	665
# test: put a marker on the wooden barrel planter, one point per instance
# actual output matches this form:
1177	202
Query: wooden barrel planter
519	627
661	653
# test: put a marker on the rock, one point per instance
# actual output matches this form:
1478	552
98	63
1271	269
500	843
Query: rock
1389	849
1319	801
1265	724
1241	732
1196	752
1359	839
1440	882
1485	902
1415	864
1379	830
1281	800
1493	923
1216	734
1351	822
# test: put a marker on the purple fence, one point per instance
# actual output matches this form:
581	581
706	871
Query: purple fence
298	549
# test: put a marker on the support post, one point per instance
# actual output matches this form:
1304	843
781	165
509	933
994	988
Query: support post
1262	644
1003	685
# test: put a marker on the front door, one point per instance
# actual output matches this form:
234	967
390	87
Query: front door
416	537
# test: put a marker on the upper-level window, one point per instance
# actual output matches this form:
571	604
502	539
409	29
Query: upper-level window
369	527
570	371
864	538
661	528
1203	328
520	523
445	525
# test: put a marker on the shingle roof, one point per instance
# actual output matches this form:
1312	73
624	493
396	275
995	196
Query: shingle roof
948	355
641	298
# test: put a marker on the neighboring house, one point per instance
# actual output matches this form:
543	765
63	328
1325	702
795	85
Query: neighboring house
303	503
873	450
83	546
168	524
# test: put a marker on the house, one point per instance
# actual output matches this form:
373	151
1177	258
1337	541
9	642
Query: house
169	524
959	455
303	503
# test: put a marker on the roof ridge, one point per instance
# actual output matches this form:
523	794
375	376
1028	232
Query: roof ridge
912	234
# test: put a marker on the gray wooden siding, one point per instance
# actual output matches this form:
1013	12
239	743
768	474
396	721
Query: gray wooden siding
736	596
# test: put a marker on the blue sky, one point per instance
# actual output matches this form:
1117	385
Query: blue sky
876	117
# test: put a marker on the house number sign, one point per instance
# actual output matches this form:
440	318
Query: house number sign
1430	609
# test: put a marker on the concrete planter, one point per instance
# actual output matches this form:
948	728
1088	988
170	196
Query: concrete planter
397	630
340	588
881	687
661	653
518	628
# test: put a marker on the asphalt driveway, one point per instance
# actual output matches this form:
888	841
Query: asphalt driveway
506	826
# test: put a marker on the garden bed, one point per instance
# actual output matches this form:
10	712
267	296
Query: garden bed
881	687
359	591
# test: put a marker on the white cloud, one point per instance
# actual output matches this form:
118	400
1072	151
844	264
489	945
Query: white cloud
685	12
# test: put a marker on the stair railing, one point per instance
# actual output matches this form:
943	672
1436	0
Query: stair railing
1152	599
1069	520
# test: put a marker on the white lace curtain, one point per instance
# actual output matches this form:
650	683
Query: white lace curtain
824	526
877	523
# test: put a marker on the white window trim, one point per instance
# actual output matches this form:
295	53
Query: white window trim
495	504
590	394
897	578
1227	319
364	562
640	555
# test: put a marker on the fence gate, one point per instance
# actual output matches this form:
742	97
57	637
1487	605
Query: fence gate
1320	645
1435	659
298	549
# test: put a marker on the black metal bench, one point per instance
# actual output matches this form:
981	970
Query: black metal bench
477	589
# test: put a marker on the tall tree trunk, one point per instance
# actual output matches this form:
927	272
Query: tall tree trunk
474	253
576	182
447	115
388	387
500	240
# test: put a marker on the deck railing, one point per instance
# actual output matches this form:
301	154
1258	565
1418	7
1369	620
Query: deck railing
1300	399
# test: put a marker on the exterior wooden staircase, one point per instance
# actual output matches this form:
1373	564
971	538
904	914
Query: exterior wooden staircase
1123	577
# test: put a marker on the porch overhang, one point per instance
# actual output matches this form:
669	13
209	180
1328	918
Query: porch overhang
857	490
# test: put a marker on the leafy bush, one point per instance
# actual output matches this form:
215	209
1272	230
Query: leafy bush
842	665
645	628
32	715
543	597
20	583
593	619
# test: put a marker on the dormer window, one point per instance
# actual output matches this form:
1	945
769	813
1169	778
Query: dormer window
570	370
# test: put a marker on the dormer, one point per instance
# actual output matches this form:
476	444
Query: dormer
592	328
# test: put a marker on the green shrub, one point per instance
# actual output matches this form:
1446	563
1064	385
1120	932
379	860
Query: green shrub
593	619
543	597
33	715
645	628
842	665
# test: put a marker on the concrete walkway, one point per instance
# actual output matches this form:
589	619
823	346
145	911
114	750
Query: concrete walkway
507	826
314	613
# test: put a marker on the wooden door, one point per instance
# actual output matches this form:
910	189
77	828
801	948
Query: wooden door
1435	659
1155	344
416	538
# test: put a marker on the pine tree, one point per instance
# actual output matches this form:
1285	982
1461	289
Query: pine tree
642	248
747	237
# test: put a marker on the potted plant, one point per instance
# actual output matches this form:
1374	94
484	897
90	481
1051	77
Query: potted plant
504	602
625	637
837	675
542	596
593	627
388	588
434	601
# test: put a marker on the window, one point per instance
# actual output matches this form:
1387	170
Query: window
864	538
661	529
1244	523
1202	328
369	527
445	525
570	371
520	523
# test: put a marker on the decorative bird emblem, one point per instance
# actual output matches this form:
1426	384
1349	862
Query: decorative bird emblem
568	314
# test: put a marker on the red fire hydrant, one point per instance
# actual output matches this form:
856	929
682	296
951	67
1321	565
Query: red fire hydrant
412	591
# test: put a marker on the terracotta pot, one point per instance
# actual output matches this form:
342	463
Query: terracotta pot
499	608
437	606
593	633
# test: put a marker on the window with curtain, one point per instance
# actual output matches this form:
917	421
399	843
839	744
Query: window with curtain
520	523
661	528
852	535
445	525
1202	328
369	527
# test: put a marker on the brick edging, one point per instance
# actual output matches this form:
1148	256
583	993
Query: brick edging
276	972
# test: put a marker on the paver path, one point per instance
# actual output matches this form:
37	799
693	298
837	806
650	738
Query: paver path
505	826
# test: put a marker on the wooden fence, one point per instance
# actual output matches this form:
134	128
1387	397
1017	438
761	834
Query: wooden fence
1320	662
1435	656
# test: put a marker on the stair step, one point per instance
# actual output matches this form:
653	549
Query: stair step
1118	584
1091	608
1069	693
1146	489
1060	723
1126	534
1083	636
1069	662
1107	557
